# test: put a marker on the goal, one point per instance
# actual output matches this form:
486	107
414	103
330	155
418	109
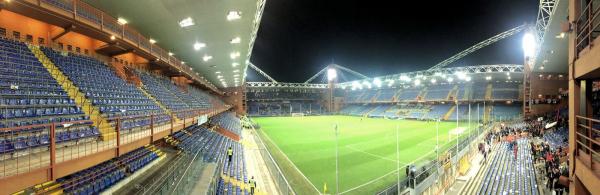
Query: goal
294	114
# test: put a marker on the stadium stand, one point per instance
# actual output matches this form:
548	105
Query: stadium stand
438	92
95	180
30	96
506	112
228	121
505	91
508	174
213	147
386	95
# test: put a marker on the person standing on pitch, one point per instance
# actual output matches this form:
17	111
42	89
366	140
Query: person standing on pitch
229	154
252	185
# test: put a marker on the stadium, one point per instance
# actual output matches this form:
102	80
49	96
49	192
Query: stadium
186	97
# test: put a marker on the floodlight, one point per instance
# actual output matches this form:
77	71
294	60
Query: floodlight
234	55
206	58
198	46
235	40
367	84
461	75
433	80
234	15
377	82
487	78
331	74
121	21
186	22
529	45
450	79
417	82
468	78
152	41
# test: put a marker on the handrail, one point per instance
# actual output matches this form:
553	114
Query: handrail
585	21
44	125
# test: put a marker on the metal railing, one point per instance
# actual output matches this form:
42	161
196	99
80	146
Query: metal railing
277	175
587	26
587	140
431	169
96	18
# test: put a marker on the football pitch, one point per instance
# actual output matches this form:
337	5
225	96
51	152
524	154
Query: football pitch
305	149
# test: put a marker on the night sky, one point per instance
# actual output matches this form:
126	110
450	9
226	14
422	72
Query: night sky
297	38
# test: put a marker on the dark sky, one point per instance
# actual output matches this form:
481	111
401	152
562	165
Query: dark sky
297	38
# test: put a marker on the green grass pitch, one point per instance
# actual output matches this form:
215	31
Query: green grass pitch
367	149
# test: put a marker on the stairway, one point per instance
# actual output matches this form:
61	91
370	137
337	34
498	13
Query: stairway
422	94
162	107
107	132
487	112
453	93
475	182
449	113
488	92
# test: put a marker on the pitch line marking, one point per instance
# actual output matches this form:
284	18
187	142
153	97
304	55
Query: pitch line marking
376	179
375	155
294	165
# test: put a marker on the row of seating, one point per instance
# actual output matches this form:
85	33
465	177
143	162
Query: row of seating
214	149
425	111
108	91
29	95
509	175
228	121
101	177
441	92
278	108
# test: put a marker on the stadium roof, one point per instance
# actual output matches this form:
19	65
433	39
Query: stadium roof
215	38
553	54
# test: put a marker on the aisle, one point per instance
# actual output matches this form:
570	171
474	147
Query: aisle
256	165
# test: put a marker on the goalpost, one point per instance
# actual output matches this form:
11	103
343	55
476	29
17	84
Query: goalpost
297	114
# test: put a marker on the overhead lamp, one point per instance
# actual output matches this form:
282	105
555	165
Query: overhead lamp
152	41
218	72
235	64
198	45
417	82
468	78
450	79
235	40
234	15
433	81
186	22
561	35
236	75
542	67
234	55
236	70
112	37
487	78
171	54
121	21
206	58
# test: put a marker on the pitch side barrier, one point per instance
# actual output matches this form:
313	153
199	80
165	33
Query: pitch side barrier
426	180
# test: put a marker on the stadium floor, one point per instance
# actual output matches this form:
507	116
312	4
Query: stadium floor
367	149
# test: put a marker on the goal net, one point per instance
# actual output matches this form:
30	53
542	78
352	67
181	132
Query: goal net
297	114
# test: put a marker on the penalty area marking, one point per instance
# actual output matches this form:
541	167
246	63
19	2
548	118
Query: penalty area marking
393	171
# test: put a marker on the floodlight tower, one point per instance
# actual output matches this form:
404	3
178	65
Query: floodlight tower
331	81
529	52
